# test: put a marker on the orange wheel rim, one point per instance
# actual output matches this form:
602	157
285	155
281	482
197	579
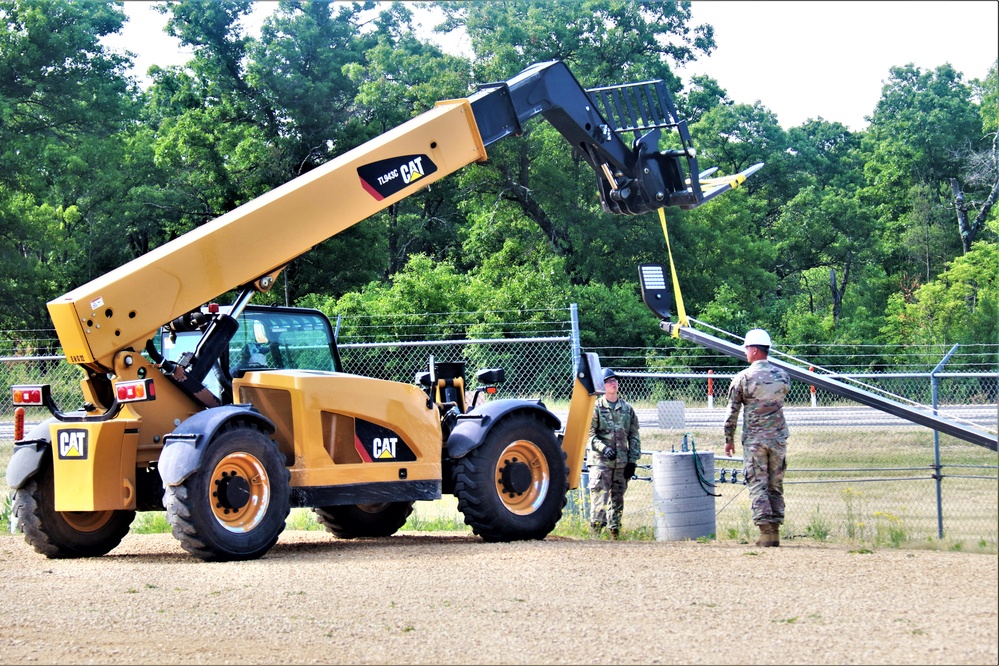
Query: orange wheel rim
522	477
240	492
87	521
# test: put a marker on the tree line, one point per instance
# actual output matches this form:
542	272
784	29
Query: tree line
887	235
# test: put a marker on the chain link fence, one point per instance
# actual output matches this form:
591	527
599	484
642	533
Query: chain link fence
854	473
533	367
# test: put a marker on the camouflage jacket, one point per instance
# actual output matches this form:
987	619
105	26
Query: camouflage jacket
614	424
759	390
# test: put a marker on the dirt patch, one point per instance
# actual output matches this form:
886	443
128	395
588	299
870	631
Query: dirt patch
453	599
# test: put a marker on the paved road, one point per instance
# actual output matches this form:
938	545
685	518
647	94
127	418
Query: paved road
984	417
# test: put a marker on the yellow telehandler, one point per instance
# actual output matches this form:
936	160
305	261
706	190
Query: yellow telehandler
247	421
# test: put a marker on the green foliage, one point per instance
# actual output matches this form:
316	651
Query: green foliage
988	91
735	137
704	95
602	38
917	147
818	527
919	120
303	519
151	522
97	172
615	316
961	305
826	228
889	529
6	506
853	499
63	97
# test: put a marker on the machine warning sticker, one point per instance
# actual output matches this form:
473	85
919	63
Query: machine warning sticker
72	444
384	178
377	444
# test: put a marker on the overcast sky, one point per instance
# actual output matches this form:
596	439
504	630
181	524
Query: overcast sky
800	59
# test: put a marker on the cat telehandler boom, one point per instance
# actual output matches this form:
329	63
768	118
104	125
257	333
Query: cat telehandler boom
230	432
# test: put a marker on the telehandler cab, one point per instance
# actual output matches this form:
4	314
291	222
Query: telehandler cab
232	431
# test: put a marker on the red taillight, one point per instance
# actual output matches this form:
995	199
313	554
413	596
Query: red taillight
29	396
136	391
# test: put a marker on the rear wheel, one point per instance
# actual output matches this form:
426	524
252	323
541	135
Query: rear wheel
365	520
513	486
234	506
65	534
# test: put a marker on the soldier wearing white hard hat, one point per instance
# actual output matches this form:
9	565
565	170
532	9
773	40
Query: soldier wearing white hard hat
759	392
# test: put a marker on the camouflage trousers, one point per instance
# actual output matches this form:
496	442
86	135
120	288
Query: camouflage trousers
607	486
764	463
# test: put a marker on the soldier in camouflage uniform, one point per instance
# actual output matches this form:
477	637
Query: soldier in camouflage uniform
760	390
613	453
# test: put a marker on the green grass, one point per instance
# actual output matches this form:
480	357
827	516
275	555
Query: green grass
818	528
5	509
438	516
877	507
150	522
303	519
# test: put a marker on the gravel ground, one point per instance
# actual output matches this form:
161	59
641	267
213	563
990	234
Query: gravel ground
453	599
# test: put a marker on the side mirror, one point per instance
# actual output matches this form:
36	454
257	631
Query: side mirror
490	376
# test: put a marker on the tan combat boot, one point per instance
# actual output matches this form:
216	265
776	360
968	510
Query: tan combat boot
769	535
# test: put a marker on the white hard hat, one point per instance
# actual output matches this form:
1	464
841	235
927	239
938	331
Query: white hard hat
757	337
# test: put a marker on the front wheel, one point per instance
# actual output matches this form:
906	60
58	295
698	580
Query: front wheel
513	486
234	506
365	520
65	534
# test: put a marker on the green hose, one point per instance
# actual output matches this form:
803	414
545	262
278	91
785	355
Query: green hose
700	471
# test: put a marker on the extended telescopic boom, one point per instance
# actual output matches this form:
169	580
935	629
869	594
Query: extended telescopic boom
247	247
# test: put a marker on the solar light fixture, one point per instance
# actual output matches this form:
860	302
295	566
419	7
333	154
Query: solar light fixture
655	290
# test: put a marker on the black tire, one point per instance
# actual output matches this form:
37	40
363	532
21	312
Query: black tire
513	486
65	534
358	521
234	506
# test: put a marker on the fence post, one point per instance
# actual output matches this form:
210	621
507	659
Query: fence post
711	390
811	387
574	335
936	441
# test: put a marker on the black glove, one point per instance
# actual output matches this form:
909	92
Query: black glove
629	470
609	453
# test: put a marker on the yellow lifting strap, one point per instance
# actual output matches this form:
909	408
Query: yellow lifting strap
681	313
